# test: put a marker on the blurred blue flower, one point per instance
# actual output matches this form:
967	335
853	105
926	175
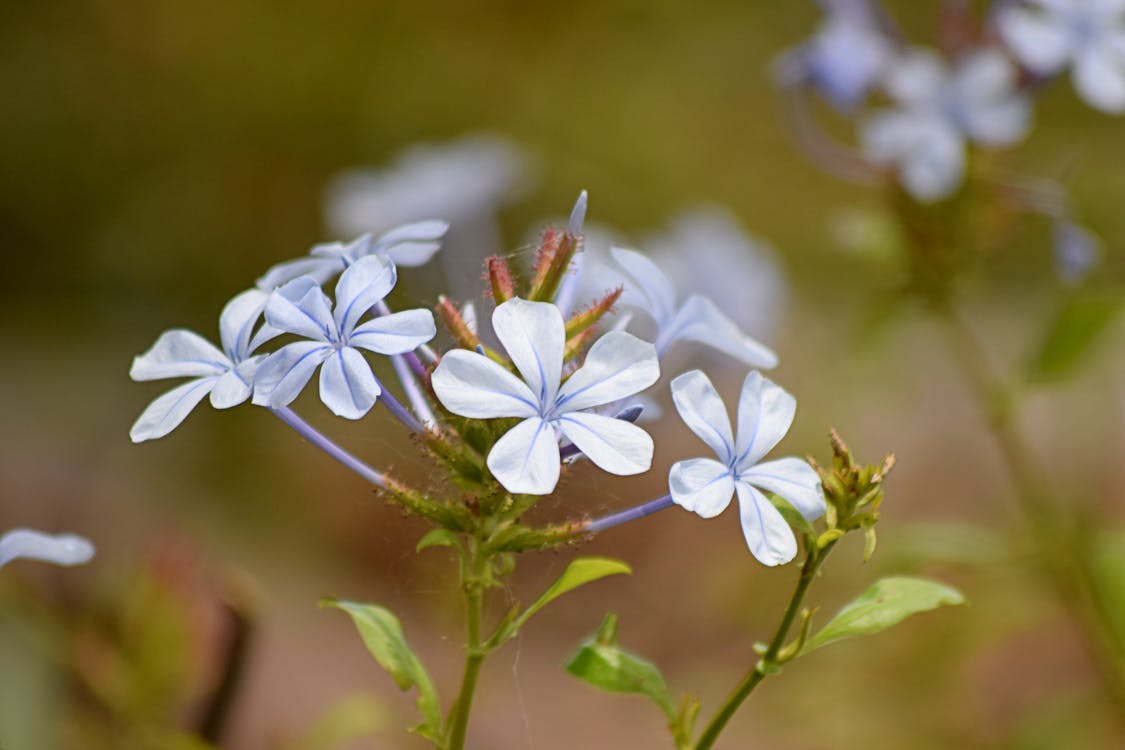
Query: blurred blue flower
1077	250
60	549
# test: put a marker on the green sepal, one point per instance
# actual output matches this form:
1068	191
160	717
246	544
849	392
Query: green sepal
1072	336
437	538
887	602
600	662
828	537
382	633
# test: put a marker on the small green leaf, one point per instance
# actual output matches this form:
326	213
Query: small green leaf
886	603
383	636
1072	335
580	571
437	538
603	664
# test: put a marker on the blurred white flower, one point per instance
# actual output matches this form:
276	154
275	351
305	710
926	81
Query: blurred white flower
1077	250
226	375
844	58
334	337
705	486
526	458
60	549
938	110
1087	35
464	182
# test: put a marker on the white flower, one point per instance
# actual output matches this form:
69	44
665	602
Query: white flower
347	385
705	486
226	375
526	458
60	549
1088	35
924	139
844	58
696	319
408	245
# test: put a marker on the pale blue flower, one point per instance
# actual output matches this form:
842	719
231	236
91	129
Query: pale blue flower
697	318
1086	35
226	375
60	549
705	485
334	338
408	245
1077	250
526	459
939	109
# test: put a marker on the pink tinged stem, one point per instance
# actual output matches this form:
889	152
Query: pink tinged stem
413	392
401	413
310	433
632	514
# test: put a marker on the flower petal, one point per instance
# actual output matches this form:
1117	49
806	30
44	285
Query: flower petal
347	385
321	269
474	386
1099	77
237	320
703	412
794	480
701	320
412	244
285	372
612	444
935	164
60	549
165	413
1038	40
364	283
765	413
301	307
618	365
395	333
651	289
235	385
916	78
701	485
179	353
526	458
534	336
767	534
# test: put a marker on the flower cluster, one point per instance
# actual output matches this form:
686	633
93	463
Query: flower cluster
558	387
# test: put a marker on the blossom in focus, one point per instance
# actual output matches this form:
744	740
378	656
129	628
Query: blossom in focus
705	485
526	458
844	58
1086	35
406	245
697	318
226	375
60	549
938	110
334	338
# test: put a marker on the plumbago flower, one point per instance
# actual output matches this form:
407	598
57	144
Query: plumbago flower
408	245
226	375
526	459
1087	35
335	336
60	549
939	109
696	319
705	486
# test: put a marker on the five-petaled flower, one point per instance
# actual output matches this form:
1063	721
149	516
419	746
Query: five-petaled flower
226	375
697	319
705	486
526	458
1048	35
347	385
938	109
408	245
60	549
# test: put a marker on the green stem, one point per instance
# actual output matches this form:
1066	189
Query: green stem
474	653
1058	544
768	664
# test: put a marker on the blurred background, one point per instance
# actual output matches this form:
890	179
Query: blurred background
156	158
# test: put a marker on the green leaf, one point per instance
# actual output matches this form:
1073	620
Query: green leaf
1072	336
350	719
437	538
382	634
888	602
580	571
602	663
